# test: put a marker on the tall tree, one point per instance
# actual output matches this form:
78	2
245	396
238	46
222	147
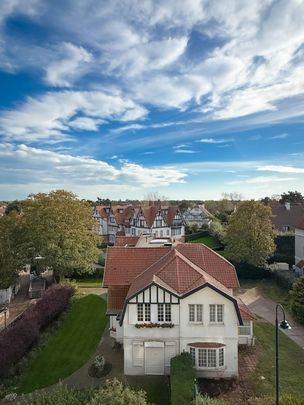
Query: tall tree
60	229
293	197
250	237
11	248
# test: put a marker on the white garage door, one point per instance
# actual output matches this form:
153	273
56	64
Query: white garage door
154	358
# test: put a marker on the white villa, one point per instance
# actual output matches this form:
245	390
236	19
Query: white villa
169	299
198	215
135	221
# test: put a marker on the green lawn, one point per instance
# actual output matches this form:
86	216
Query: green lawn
157	388
291	362
70	347
208	240
89	282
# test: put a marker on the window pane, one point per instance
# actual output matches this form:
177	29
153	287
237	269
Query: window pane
220	313
199	313
202	357
160	312
168	312
221	357
147	312
192	353
140	312
191	313
212	313
211	357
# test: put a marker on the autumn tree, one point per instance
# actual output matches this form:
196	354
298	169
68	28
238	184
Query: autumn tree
297	299
250	237
11	248
293	197
59	228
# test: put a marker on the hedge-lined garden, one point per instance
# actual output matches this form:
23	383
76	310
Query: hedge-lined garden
18	338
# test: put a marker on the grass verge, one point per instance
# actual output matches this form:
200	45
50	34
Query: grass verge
89	282
208	240
291	362
70	347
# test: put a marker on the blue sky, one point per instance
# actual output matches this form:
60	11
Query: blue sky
190	98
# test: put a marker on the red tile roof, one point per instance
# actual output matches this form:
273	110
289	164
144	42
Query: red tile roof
126	240
246	314
116	298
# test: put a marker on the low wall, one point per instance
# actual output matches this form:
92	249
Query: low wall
5	296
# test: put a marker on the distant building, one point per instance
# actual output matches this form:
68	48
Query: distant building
128	220
2	210
287	217
198	216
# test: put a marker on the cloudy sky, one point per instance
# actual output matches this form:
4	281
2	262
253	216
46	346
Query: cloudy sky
190	98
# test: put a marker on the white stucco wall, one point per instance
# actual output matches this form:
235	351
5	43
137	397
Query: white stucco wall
184	332
299	245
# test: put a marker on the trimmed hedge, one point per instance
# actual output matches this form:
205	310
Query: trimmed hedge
196	235
247	271
182	378
297	300
18	338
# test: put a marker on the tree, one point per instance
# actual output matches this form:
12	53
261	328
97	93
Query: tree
297	300
155	196
250	237
59	228
293	197
115	393
11	252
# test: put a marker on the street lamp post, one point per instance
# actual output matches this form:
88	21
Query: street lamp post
283	325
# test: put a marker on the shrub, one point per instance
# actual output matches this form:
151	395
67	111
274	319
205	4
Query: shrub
54	301
18	338
284	400
297	300
247	271
115	393
61	395
182	379
205	400
284	278
99	368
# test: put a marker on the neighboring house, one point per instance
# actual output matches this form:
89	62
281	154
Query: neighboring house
299	247
2	210
198	215
166	300
287	217
135	221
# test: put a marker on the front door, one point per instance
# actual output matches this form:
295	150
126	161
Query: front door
154	358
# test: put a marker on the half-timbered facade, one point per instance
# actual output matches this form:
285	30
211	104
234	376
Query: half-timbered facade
166	300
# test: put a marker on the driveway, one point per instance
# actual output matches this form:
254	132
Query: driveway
265	308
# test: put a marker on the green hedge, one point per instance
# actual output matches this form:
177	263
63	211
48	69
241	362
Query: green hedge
196	235
182	379
247	271
285	248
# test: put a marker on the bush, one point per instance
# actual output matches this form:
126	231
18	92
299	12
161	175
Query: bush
18	338
61	395
285	399
54	301
205	400
247	271
182	379
99	368
297	300
284	278
196	235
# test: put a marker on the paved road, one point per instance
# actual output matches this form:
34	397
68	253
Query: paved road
265	308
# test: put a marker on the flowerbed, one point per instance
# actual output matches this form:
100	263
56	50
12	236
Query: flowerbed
17	339
154	325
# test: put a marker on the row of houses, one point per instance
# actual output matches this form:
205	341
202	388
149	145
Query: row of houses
155	219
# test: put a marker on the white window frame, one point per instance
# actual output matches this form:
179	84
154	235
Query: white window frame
214	312
197	310
245	328
164	313
206	357
144	312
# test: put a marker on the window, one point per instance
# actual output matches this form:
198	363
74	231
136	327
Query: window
192	354
112	219
245	329
158	223
160	312
196	313
168	232
164	312
208	358
221	357
147	312
140	312
191	313
216	313
141	223
168	312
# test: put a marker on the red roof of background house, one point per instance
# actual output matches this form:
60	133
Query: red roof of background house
126	240
293	217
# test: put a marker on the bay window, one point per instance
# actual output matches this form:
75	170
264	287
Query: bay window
208	357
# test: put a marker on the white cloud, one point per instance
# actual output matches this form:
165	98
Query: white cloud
183	145
280	169
52	115
263	180
21	164
185	151
280	136
70	62
215	141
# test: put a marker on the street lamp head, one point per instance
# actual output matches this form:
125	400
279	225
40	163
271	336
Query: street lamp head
284	324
